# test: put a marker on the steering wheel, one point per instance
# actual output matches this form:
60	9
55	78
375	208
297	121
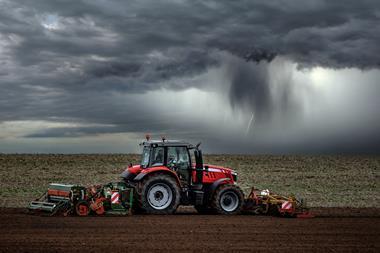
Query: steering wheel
172	163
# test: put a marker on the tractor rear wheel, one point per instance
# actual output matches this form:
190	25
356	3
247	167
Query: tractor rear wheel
228	199
160	195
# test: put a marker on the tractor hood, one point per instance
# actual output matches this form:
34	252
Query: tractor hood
220	172
215	168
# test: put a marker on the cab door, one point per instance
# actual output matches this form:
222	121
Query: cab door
178	159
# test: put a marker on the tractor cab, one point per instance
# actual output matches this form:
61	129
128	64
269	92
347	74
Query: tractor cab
180	157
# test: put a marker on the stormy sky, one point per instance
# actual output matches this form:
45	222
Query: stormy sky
281	76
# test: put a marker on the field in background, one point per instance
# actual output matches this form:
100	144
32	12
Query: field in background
324	181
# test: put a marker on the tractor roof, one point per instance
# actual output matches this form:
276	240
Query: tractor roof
167	143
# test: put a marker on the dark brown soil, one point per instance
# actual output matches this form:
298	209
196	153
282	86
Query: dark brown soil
352	231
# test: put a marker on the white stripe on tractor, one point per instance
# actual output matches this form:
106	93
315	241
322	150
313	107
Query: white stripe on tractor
286	205
115	198
214	170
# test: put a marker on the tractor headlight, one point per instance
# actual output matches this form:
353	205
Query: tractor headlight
234	176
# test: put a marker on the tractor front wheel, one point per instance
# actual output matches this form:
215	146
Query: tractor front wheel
160	195
228	199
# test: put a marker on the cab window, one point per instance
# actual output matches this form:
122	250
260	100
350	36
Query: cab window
158	156
145	157
178	156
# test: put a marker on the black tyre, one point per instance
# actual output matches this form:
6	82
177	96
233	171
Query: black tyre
136	208
228	199
82	208
159	195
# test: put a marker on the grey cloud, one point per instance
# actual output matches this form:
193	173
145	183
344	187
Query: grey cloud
103	69
63	132
331	34
90	50
237	26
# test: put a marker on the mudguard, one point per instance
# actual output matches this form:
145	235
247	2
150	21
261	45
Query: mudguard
139	177
127	175
161	169
214	186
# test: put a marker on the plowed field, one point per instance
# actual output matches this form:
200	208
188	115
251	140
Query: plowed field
355	230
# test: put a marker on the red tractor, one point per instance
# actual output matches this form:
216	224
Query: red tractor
172	173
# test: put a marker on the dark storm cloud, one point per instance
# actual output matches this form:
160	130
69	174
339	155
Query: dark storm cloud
60	132
64	60
103	69
315	32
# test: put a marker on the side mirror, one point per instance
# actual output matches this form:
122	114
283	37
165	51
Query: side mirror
198	166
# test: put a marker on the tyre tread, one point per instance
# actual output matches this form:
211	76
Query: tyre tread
143	202
219	191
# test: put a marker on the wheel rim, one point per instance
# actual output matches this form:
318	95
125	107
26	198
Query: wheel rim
229	201
160	196
82	210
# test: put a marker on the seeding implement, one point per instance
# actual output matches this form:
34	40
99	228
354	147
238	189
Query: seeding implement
171	173
112	198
